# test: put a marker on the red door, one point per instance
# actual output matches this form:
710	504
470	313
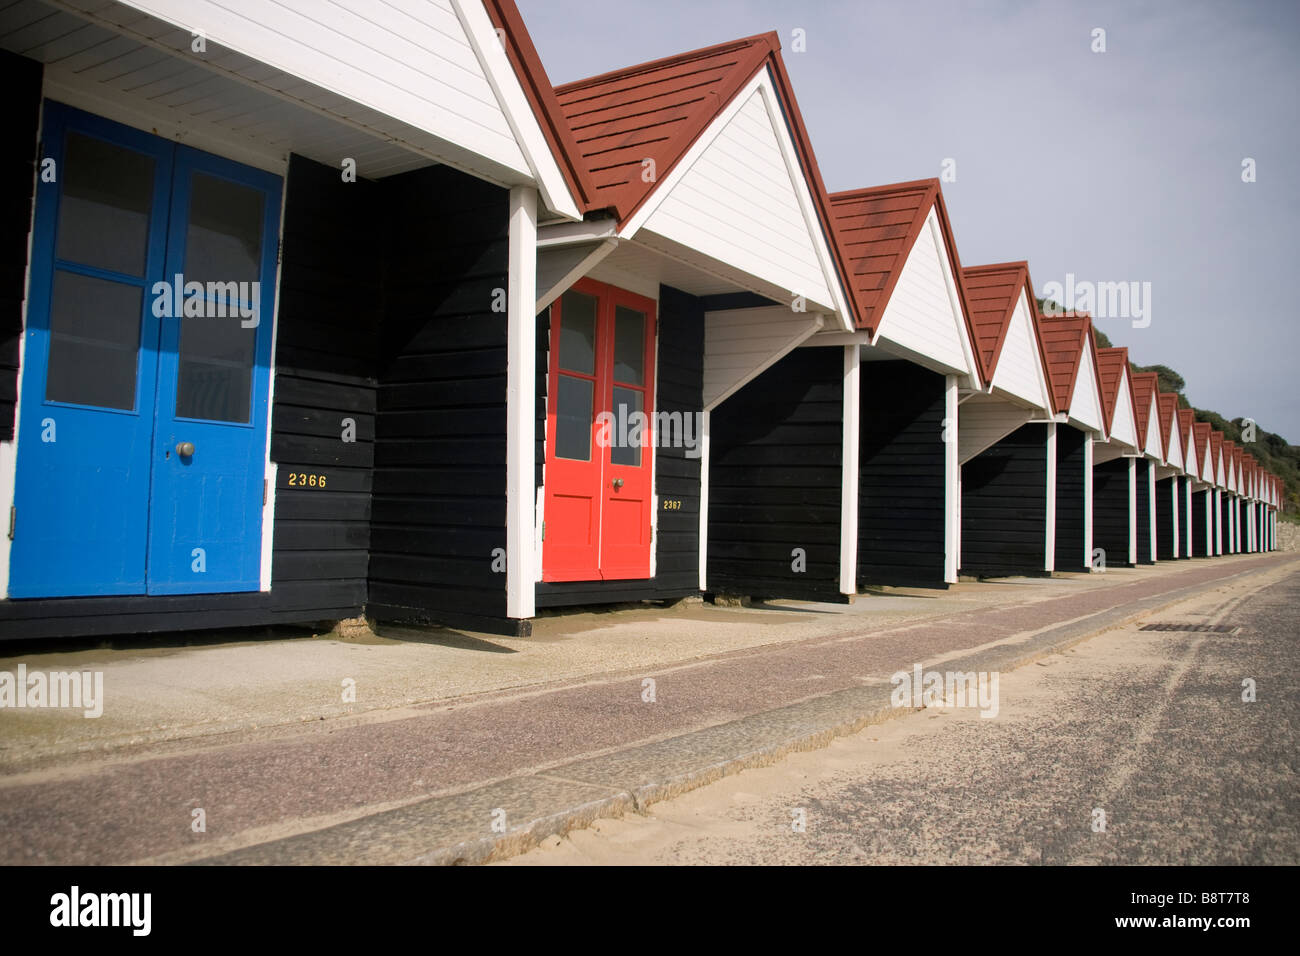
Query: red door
599	454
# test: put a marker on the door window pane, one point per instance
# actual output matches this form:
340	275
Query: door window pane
94	341
626	402
578	333
629	346
223	242
215	376
104	208
573	419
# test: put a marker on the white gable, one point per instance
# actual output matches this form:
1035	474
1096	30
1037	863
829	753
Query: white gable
740	198
1189	456
1122	427
924	313
1020	365
1175	450
1152	446
1085	403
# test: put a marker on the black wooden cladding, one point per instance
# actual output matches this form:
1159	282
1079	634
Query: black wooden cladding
1110	514
679	388
1004	506
331	299
775	454
1144	512
20	109
438	522
1167	498
1199	523
1070	465
901	471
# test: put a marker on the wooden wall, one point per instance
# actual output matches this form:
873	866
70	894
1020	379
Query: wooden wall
901	476
1144	512
1070	466
1110	511
774	481
1199	523
439	510
1004	506
1166	490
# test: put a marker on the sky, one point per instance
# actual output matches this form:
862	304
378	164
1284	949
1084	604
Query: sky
1117	166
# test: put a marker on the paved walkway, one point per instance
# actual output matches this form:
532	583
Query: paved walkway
428	781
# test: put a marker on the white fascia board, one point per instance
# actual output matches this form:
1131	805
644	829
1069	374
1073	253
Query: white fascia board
546	296
575	233
519	113
761	83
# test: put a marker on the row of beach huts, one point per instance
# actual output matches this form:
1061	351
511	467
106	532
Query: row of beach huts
309	311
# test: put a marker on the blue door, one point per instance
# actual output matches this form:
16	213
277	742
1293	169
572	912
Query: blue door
143	420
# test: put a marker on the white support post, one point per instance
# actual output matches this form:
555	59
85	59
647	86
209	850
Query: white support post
1049	560
521	392
1191	525
704	500
951	483
1087	501
1175	523
1151	511
852	411
1132	511
1217	520
1209	523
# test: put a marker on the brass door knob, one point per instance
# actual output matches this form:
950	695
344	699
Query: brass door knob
185	449
618	482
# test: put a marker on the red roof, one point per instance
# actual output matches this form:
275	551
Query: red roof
653	111
1112	367
1064	339
992	292
1145	384
1167	407
1216	449
875	229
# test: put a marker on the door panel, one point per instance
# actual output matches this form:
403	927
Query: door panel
114	378
625	524
90	361
205	526
571	546
599	461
